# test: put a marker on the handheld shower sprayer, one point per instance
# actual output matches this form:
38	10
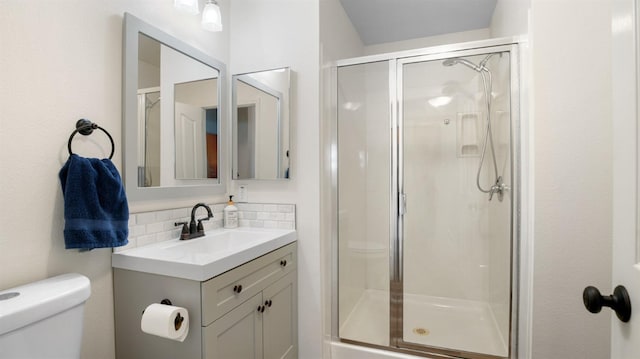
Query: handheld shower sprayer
456	60
498	187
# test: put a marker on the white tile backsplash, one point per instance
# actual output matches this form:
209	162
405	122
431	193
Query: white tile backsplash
158	226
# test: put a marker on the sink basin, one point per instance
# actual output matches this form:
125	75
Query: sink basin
205	257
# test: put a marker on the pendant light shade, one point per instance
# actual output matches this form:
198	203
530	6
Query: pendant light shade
187	6
211	18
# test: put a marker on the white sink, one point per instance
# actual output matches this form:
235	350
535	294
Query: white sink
205	257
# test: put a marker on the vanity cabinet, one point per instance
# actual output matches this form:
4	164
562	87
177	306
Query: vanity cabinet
247	312
264	326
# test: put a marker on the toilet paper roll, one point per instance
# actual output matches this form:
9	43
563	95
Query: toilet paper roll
166	321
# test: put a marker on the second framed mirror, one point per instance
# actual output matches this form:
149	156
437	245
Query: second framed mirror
261	125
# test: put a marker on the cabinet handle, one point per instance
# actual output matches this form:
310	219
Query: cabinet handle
261	308
237	289
283	263
268	303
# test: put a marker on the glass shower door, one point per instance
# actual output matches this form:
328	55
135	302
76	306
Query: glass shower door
364	202
454	118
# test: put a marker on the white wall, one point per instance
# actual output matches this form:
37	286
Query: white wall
274	34
338	37
510	18
452	38
571	45
338	40
60	61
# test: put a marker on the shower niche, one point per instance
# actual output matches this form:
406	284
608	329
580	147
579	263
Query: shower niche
427	187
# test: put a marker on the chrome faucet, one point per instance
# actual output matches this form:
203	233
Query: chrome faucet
194	230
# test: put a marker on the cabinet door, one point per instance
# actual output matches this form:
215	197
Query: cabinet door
237	334
280	322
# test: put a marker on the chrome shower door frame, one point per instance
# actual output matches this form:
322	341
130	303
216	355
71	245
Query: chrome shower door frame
395	62
397	253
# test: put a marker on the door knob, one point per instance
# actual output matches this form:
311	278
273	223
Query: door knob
619	301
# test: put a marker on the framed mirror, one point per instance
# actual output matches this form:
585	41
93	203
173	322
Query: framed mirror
261	125
172	107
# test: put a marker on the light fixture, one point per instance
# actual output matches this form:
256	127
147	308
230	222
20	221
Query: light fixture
211	18
188	6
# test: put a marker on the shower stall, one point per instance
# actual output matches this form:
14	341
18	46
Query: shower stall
426	181
149	108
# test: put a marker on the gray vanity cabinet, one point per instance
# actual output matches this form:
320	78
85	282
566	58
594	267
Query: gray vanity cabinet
249	312
264	326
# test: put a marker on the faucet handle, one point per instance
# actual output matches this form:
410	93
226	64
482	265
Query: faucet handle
200	226
185	227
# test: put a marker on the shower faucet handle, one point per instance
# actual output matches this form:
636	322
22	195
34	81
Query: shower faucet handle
498	188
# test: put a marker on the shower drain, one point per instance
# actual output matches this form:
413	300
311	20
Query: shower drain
421	331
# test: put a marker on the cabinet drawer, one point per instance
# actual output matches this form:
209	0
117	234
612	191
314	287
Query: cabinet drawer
230	289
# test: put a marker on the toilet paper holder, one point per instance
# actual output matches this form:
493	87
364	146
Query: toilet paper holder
177	322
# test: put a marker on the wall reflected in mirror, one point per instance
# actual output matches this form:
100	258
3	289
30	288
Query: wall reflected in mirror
261	125
178	122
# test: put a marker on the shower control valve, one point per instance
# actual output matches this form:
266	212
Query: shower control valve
498	188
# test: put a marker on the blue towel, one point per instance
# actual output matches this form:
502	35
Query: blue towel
96	213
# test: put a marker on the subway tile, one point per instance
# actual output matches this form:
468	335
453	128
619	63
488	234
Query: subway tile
250	215
286	225
150	227
132	244
270	208
255	207
136	231
274	216
208	225
171	225
145	217
217	216
166	236
286	208
146	239
257	224
270	224
155	227
217	223
181	213
164	215
243	206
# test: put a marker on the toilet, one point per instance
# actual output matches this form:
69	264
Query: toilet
43	319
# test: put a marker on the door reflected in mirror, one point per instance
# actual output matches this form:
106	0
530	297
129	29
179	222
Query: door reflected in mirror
196	126
261	125
177	116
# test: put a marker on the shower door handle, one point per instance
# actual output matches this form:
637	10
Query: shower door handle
619	301
403	204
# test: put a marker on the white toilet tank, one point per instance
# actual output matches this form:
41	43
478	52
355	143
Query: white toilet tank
43	319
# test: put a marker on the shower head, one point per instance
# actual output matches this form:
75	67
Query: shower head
456	60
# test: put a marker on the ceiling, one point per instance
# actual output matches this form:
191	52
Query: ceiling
379	21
